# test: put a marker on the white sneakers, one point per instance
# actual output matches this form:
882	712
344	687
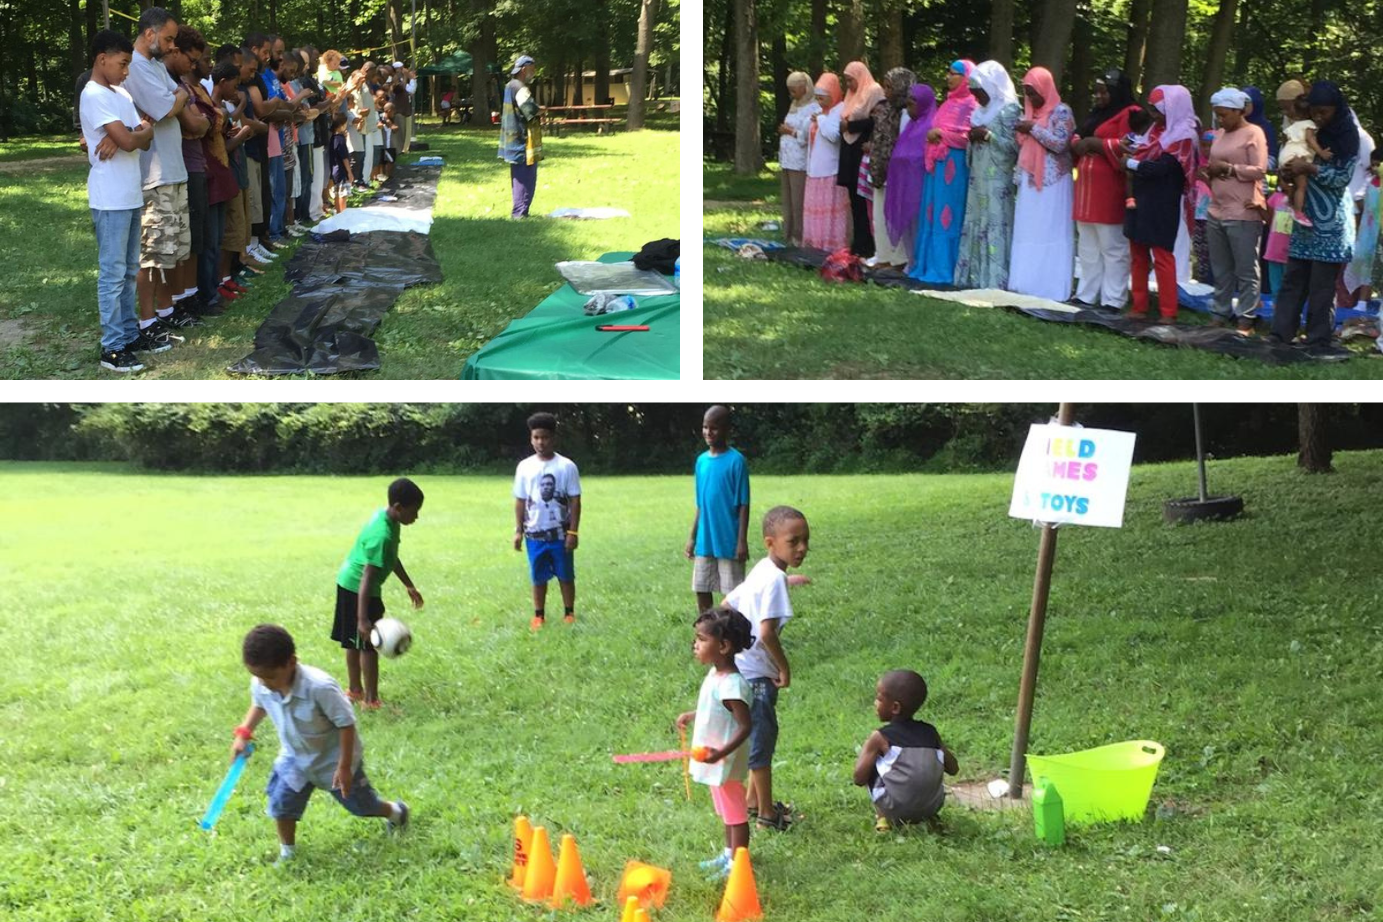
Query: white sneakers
261	254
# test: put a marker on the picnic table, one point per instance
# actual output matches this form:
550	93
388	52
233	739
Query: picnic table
558	117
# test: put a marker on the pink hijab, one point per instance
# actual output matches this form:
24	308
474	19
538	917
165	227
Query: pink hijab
1032	156
953	117
1180	137
831	84
860	101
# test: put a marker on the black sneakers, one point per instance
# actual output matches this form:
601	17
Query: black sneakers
150	340
181	318
122	361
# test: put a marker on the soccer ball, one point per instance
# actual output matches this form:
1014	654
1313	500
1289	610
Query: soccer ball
391	637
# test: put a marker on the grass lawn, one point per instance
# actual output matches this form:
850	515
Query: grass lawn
39	147
1250	649
773	321
494	269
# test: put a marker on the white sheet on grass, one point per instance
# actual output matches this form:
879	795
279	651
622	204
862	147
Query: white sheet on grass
592	214
995	297
378	218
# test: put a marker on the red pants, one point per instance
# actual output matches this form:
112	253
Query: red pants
1164	263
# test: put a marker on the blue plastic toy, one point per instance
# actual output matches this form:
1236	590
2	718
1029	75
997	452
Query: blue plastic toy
223	793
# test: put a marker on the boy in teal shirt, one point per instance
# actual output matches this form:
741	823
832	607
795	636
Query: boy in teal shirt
719	545
358	583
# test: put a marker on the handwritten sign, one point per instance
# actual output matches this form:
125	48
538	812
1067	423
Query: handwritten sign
1073	476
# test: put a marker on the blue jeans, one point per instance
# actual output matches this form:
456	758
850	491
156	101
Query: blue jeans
1275	271
277	197
763	716
117	245
288	804
304	200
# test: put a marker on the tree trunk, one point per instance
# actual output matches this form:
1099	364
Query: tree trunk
1054	36
353	22
816	48
890	35
602	56
1137	40
638	80
1221	34
1313	438
394	13
480	62
578	95
274	16
726	69
1083	40
93	20
1001	32
76	46
850	29
748	158
1166	36
781	98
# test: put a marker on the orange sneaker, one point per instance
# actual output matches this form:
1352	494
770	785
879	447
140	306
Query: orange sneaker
536	623
570	619
374	705
355	696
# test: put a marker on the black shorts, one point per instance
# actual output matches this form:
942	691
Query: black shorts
389	154
343	630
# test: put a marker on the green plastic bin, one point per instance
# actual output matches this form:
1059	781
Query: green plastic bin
1111	782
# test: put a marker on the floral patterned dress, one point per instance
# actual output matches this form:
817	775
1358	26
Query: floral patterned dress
988	228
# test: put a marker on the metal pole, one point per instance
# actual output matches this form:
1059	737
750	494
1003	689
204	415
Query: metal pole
1200	451
105	8
1032	649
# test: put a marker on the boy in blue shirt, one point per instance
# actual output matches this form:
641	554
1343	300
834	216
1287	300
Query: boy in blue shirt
719	540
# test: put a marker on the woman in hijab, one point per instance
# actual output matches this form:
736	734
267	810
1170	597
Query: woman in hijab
906	169
1258	115
1164	168
862	94
825	206
887	115
1315	254
792	153
948	177
988	226
1103	251
1043	249
1234	225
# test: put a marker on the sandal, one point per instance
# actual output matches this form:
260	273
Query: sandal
356	696
783	817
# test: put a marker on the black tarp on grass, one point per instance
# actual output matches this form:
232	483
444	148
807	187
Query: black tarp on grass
1210	339
343	288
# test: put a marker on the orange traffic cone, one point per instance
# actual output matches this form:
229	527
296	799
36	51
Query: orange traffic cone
523	837
571	876
537	882
631	908
645	882
741	900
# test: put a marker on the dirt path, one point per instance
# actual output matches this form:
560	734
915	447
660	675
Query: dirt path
47	163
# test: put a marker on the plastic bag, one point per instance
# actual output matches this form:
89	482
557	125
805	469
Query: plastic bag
593	278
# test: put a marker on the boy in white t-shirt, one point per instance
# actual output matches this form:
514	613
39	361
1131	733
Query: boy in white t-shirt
115	133
547	511
763	599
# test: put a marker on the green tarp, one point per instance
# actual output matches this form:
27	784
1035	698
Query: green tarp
556	340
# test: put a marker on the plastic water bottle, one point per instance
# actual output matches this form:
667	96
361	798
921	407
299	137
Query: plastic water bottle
677	273
1048	815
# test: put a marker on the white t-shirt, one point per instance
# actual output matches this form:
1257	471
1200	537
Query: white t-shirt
715	726
115	184
546	487
763	596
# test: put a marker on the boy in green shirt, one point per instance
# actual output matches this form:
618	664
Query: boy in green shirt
358	583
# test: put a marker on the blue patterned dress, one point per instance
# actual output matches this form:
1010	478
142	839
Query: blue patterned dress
988	228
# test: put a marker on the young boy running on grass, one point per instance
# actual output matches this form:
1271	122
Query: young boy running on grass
318	743
547	511
719	541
